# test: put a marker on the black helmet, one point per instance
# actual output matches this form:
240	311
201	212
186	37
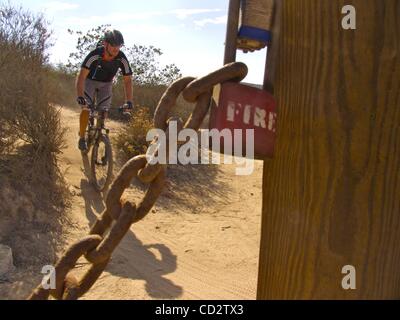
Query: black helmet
114	37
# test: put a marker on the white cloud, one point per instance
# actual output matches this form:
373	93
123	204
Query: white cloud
123	16
135	26
184	13
217	20
133	18
145	29
78	23
180	14
55	6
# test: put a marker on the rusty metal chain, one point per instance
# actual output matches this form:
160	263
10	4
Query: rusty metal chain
119	214
192	90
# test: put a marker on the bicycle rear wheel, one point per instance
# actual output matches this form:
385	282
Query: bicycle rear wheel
101	163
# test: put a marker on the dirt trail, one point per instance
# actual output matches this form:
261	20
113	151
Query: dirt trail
201	240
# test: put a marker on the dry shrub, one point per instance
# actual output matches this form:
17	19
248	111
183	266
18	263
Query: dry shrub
31	136
145	95
24	103
61	86
7	136
149	96
131	139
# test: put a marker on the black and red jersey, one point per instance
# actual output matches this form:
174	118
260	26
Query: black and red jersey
105	71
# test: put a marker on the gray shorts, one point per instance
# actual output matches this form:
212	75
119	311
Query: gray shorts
104	93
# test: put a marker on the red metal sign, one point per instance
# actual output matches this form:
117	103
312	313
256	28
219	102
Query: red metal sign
238	106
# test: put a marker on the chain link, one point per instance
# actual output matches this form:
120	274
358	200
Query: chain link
98	246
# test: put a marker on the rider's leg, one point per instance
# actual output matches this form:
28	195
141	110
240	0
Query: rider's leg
83	122
104	96
90	88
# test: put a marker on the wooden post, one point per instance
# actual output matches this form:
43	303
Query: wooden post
331	195
232	31
273	49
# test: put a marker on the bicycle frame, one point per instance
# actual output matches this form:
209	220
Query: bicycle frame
101	158
95	130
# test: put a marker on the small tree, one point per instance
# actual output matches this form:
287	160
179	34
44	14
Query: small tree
143	59
25	33
146	67
86	43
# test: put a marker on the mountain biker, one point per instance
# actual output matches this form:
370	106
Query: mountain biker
97	73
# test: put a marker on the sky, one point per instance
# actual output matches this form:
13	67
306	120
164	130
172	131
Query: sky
190	34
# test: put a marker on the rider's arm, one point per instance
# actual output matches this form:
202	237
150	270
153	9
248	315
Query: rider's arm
127	74
80	82
128	88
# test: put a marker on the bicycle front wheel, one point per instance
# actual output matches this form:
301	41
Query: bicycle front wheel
101	163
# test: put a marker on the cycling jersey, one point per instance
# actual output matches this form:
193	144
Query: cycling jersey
105	71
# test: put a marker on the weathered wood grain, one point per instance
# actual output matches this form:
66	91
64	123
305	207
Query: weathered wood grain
332	193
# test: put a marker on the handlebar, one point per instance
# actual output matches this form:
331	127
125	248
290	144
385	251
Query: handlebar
123	110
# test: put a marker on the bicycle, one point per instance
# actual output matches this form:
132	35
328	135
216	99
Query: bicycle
96	136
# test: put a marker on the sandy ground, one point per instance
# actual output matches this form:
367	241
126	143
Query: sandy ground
200	241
